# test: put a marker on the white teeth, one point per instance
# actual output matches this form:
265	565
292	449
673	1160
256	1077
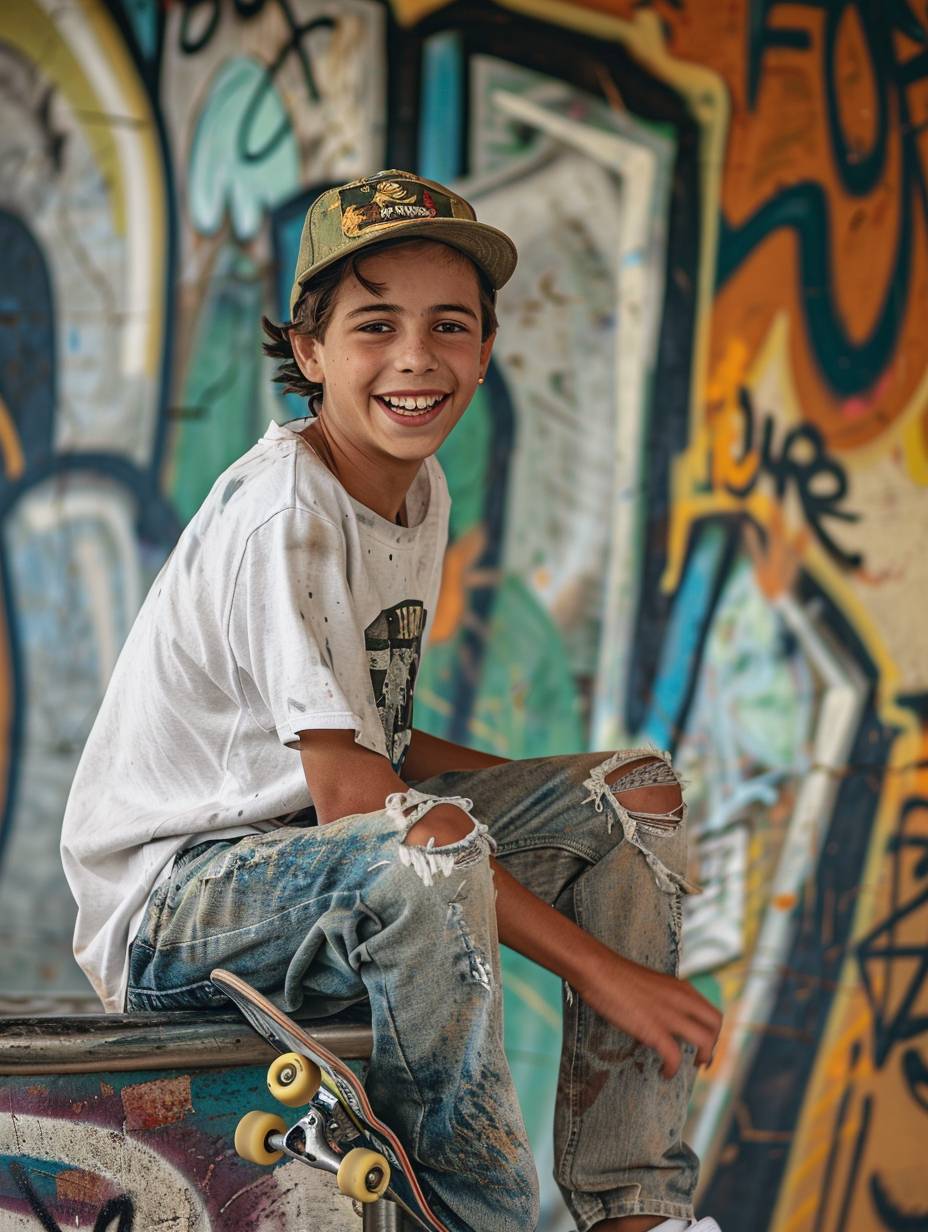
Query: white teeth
415	405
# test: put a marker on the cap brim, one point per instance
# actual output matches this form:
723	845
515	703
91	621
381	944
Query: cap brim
486	246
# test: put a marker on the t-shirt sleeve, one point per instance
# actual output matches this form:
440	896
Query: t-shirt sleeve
299	652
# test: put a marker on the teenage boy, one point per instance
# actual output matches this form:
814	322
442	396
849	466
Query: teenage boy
253	794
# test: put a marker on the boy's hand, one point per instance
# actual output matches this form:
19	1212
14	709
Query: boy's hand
656	1009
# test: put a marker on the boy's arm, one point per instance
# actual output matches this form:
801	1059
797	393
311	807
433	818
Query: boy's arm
659	1010
428	755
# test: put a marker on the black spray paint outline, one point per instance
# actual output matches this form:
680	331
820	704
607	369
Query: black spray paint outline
121	1207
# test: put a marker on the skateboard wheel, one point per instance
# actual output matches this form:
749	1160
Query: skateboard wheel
293	1079
363	1175
251	1137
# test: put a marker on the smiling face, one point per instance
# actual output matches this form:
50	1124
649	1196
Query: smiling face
399	365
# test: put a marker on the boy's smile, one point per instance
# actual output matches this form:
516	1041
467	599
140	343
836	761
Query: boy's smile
413	404
399	367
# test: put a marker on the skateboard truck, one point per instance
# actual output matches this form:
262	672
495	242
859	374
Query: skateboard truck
338	1131
362	1175
307	1141
263	1137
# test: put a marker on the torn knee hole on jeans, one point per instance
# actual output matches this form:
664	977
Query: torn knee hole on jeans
647	769
429	859
654	782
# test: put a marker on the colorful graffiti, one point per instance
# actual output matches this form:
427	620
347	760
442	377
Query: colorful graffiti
129	1152
687	503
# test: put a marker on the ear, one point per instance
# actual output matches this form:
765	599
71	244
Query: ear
486	349
307	352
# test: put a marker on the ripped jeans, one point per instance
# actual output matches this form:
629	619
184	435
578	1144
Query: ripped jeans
326	916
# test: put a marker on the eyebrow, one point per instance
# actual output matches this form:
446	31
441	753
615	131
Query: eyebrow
396	309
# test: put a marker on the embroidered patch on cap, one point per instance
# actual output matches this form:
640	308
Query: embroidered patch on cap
383	201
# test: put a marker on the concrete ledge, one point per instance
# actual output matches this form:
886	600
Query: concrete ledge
88	1043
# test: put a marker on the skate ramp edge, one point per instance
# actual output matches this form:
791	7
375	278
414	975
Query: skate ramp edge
127	1120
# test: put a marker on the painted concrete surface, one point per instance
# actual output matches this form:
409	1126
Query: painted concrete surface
146	1150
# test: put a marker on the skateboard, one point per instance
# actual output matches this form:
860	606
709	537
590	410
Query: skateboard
339	1132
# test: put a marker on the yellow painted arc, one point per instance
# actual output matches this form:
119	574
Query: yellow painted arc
798	1218
833	1072
409	12
147	233
10	446
26	26
912	436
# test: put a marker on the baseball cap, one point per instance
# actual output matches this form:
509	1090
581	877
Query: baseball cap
389	204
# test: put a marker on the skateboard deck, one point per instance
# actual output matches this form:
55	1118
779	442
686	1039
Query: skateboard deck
357	1126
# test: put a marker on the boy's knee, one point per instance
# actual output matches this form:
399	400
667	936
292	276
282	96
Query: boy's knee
444	830
648	788
439	835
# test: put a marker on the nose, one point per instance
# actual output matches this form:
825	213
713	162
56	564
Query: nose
416	350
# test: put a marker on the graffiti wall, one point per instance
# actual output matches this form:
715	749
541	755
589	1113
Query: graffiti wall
689	501
136	1151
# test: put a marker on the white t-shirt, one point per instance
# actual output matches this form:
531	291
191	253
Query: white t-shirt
286	605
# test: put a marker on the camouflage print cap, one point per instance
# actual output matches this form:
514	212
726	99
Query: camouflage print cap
389	204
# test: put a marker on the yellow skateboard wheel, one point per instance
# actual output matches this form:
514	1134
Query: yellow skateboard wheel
363	1175
293	1079
251	1137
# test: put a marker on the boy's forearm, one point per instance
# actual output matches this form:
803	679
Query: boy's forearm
428	755
346	778
528	925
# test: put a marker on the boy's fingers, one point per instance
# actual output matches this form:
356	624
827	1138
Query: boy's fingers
703	1054
703	1009
709	1037
701	1043
699	1035
670	1053
712	1018
685	1016
706	1018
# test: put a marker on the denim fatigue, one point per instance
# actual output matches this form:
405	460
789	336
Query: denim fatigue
324	917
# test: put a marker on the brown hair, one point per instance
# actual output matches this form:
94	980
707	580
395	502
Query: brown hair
313	312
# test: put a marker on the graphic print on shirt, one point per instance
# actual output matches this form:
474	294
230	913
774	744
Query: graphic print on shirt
394	644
